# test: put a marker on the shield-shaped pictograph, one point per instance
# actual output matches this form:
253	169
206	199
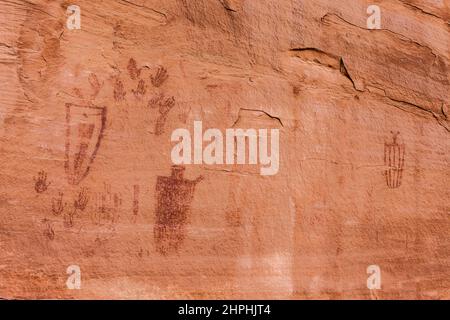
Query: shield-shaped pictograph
394	159
84	132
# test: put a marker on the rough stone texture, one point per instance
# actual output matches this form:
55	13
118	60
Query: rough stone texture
139	69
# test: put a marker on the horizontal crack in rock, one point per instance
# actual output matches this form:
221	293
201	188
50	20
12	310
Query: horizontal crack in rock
257	110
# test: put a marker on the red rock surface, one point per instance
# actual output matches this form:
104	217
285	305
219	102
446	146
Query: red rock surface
109	95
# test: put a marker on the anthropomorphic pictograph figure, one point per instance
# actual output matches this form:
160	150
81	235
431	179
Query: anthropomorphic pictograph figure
394	159
174	198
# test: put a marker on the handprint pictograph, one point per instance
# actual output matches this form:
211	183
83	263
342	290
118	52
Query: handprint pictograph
141	89
164	105
82	199
160	76
133	69
79	204
69	220
48	229
145	90
40	183
95	88
58	204
86	120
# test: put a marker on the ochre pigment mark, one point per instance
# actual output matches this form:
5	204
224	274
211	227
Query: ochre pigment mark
48	229
80	203
140	90
174	198
394	158
69	218
119	90
234	218
143	253
135	202
164	105
96	86
85	132
133	70
107	206
40	183
58	204
160	77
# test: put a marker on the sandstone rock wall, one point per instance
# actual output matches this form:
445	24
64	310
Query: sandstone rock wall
86	117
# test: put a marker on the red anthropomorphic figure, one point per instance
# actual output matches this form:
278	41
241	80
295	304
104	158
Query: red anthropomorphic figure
174	198
394	158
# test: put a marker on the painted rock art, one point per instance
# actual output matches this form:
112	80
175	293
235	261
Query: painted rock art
174	198
84	132
394	159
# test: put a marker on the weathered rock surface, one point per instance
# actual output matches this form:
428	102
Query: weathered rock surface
86	118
